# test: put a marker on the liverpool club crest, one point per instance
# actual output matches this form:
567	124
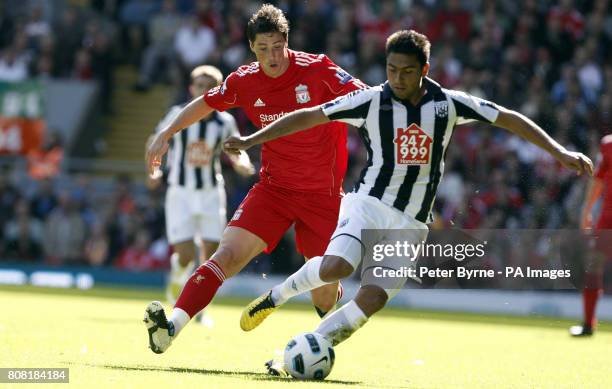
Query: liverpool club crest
301	94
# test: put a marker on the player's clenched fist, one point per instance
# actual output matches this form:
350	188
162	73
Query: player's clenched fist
234	144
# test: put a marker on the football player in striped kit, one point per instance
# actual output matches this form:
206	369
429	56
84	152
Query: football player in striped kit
406	125
195	199
300	180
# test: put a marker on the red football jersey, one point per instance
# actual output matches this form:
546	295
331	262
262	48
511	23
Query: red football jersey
604	173
313	160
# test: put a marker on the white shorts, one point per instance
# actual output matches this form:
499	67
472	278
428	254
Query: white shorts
360	212
195	213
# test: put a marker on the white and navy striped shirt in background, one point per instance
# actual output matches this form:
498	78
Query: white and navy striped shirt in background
193	158
407	144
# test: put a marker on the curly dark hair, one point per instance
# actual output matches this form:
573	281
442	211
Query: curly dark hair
409	42
267	19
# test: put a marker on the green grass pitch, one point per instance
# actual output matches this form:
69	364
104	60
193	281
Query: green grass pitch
100	337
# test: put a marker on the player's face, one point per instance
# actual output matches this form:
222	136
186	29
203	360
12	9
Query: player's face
201	85
405	74
272	53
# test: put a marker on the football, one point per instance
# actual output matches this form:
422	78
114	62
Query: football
309	356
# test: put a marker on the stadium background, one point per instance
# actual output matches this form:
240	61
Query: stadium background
106	72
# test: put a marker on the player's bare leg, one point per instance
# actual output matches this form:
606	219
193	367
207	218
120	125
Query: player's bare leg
334	268
208	248
237	247
187	252
371	299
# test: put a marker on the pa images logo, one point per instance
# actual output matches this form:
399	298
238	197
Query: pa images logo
343	223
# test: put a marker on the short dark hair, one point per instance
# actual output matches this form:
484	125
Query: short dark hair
409	42
267	19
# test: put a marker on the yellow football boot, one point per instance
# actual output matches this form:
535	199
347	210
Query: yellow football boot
257	311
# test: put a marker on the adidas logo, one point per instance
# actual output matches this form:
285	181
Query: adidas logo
259	103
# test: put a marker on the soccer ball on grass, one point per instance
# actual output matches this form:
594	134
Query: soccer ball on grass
309	356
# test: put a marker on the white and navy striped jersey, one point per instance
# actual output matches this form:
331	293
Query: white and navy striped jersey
407	144
193	158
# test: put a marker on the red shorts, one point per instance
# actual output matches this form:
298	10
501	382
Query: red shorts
269	211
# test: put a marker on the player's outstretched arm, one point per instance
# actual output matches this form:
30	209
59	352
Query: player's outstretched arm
190	114
524	127
295	121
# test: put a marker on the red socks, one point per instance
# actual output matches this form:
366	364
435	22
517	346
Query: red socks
201	287
590	295
589	299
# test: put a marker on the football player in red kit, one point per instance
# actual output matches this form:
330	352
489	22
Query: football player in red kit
300	178
601	184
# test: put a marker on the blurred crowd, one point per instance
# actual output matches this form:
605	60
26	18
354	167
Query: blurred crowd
79	220
551	60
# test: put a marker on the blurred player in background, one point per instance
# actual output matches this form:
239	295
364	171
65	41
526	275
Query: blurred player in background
593	275
406	125
300	178
195	199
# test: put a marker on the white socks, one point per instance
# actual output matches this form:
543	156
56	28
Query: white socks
340	325
303	280
180	319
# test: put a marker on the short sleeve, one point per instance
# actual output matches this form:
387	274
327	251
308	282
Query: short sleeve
351	108
471	108
338	80
224	96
